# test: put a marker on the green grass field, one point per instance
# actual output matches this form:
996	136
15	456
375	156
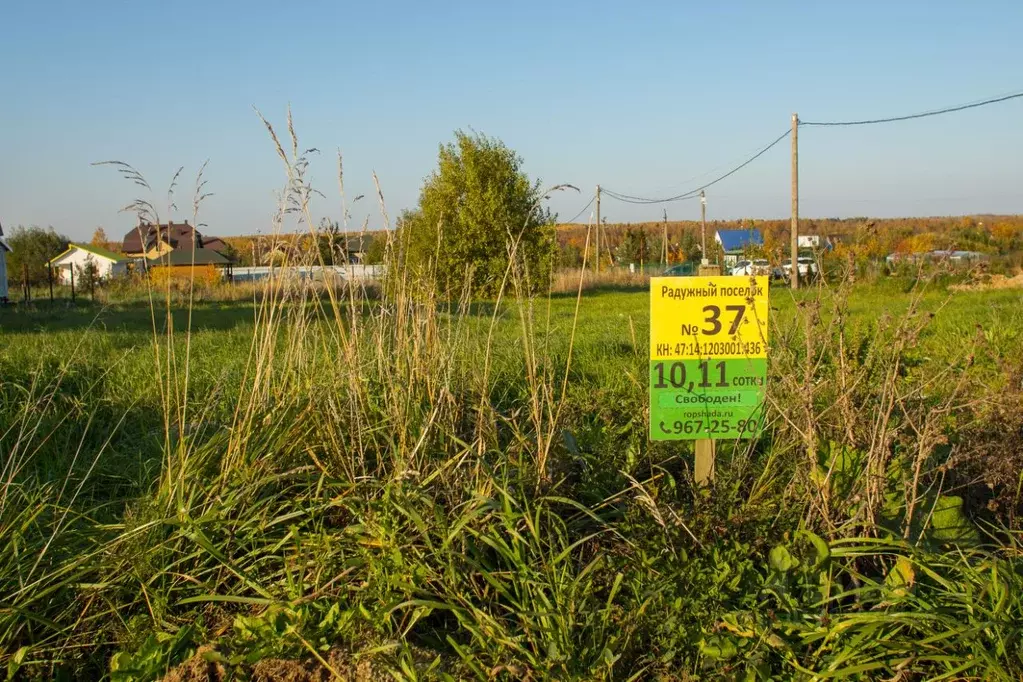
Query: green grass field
407	489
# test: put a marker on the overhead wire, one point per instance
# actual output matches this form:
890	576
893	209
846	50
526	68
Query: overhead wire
923	114
583	210
640	200
693	193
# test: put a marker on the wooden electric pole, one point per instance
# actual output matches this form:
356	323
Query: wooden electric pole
703	227
596	263
795	201
664	241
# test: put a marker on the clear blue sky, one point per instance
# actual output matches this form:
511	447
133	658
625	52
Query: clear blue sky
639	97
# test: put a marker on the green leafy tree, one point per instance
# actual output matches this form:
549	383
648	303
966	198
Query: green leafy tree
88	275
473	211
634	247
330	242
31	248
570	256
376	249
689	247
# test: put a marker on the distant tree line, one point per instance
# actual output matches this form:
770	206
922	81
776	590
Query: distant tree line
31	249
860	238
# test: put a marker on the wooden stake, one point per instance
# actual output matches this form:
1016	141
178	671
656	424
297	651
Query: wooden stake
703	467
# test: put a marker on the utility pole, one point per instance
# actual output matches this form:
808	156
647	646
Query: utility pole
596	263
795	201
664	241
703	228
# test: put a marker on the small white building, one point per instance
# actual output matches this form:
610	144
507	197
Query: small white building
813	242
78	256
4	249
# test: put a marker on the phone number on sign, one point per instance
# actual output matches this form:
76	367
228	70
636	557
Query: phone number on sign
708	426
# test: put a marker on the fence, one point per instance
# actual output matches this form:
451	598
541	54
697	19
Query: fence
314	273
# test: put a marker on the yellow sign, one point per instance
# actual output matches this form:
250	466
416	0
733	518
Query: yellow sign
708	317
708	357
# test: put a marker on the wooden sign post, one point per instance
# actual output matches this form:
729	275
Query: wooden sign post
708	361
705	450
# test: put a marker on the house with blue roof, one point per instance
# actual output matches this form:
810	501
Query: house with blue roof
737	243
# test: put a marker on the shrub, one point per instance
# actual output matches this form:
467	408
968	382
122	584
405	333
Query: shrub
179	276
476	209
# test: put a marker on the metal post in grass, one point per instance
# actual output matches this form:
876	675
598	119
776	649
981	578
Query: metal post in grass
71	269
49	277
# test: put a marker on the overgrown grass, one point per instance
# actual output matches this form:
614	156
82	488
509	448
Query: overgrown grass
331	483
376	495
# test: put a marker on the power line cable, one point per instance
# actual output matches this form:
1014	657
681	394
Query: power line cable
924	114
692	194
640	200
590	203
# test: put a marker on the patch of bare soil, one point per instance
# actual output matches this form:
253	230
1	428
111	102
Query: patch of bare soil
992	282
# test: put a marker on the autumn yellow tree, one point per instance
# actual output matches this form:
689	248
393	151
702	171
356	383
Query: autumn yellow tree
99	238
918	243
1006	235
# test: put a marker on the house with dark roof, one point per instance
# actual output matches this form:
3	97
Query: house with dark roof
148	240
190	263
183	258
77	257
357	245
738	243
214	243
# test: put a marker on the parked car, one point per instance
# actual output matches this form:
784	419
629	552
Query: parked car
757	267
681	270
807	267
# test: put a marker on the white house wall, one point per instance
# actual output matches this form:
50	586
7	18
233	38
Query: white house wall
78	258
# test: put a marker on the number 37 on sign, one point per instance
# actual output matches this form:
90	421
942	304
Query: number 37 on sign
708	357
